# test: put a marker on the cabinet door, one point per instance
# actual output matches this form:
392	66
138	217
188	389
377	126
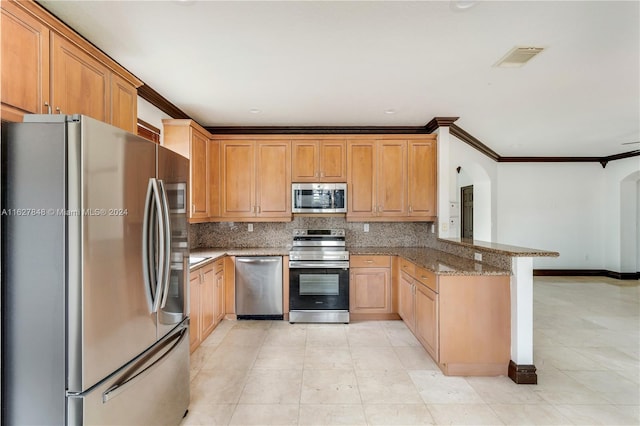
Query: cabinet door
333	161
124	104
199	178
273	179
194	307
427	319
214	178
218	308
361	159
370	291
80	82
207	300
305	160
392	178
422	178
237	178
24	56
406	307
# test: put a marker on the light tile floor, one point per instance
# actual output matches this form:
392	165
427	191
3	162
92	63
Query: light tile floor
586	349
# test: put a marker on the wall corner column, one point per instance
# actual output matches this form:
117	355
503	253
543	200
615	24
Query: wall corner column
521	368
443	181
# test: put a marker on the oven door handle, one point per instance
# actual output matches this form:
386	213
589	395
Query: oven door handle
293	264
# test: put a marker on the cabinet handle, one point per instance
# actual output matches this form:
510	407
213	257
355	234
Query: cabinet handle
321	174
368	261
259	209
48	107
193	208
410	209
424	278
58	110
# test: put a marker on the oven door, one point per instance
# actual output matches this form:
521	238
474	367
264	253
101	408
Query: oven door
319	289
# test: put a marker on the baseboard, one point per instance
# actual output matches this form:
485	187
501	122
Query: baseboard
523	374
586	273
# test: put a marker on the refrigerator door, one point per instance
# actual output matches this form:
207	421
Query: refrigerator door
151	390
173	177
110	320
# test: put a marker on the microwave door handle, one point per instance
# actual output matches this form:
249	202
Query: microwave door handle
333	200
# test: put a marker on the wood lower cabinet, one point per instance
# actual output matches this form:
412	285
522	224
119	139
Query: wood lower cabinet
207	301
426	319
47	68
189	139
319	161
463	322
255	180
370	285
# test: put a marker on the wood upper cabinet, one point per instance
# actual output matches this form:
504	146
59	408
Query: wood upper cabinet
190	140
124	104
361	179
80	84
256	179
25	63
370	285
391	185
391	180
319	160
47	68
214	179
422	178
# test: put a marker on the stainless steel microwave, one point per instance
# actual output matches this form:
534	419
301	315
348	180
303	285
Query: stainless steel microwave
319	197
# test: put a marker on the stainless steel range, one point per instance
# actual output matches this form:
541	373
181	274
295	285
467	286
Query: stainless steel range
319	276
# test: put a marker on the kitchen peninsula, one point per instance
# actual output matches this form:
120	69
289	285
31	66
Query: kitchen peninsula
461	310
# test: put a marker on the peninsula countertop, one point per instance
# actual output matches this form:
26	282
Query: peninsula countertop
439	262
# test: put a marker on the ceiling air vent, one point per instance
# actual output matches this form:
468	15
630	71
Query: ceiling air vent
518	56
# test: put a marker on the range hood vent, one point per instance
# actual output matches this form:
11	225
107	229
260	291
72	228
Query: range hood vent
518	56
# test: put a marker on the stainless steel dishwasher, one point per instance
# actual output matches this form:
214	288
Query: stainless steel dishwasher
259	287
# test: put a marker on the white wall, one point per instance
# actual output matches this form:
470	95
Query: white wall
621	215
481	172
152	115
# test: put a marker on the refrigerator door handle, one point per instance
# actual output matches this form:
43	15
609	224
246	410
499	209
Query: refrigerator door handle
160	267
131	377
147	254
167	245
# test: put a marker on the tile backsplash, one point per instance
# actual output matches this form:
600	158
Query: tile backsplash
279	234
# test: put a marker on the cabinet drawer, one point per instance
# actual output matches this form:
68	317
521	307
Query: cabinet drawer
407	267
370	261
427	278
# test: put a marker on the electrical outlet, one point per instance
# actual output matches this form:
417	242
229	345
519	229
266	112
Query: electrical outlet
366	227
250	227
477	257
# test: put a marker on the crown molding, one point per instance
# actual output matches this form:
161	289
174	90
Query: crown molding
315	130
160	102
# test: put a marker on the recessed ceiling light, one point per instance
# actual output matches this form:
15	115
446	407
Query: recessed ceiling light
255	111
518	56
390	111
463	4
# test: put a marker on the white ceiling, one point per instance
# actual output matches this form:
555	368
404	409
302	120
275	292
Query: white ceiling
339	63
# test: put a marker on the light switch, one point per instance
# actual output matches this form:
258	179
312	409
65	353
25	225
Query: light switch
250	227
366	227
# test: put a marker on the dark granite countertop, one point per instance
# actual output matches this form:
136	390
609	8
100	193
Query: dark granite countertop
498	248
439	262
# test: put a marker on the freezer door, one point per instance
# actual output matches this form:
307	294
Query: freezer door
110	318
173	177
151	390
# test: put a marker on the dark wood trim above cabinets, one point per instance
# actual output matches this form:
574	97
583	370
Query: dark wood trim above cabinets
160	102
475	143
148	131
316	130
436	122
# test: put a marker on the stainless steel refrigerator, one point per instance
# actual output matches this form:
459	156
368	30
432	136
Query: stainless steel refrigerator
94	279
